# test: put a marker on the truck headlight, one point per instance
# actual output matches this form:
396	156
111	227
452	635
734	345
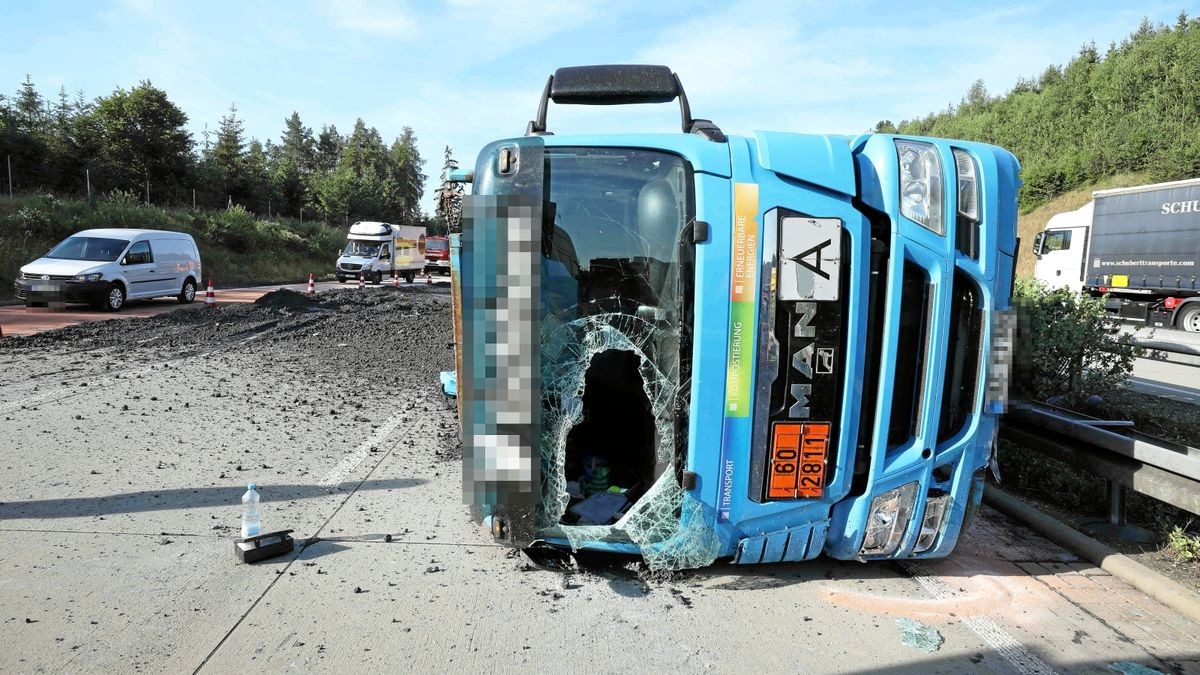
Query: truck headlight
86	277
887	521
931	524
921	184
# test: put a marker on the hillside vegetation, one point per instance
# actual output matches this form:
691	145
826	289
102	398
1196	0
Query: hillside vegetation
1133	109
236	247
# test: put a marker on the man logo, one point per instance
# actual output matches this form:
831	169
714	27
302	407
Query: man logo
824	365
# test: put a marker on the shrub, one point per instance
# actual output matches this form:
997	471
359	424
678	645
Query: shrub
1066	346
1182	546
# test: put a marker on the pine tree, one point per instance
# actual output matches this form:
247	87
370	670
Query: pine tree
226	158
450	195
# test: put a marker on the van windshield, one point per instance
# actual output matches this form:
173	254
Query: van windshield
362	249
95	249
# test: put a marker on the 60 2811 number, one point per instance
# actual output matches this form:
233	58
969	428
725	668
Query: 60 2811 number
799	456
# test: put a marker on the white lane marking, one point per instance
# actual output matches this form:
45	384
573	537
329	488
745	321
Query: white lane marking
989	631
31	400
339	473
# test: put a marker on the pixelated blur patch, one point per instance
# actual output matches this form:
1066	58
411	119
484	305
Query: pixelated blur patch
500	386
1001	358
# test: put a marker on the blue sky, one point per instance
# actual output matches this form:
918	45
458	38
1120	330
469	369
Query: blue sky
464	72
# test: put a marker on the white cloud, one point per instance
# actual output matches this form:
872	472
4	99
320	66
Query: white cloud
372	17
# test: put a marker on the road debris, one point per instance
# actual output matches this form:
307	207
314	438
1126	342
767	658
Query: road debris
918	635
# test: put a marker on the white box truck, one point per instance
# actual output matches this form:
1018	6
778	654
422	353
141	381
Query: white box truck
378	250
1137	247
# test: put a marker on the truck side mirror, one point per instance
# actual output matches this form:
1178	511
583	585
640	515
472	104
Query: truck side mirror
1038	241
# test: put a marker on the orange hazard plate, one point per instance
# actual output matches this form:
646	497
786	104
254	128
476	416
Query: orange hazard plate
799	451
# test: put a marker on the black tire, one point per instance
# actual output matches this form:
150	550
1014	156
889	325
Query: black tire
187	294
1189	318
115	301
37	304
408	278
377	279
341	280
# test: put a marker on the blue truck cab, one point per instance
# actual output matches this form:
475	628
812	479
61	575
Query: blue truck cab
695	346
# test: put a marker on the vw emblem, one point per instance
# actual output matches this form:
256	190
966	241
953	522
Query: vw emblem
45	277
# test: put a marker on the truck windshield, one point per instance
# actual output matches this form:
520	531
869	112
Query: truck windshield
96	249
614	245
361	249
435	244
613	334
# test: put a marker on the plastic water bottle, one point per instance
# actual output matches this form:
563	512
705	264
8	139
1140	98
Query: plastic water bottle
251	519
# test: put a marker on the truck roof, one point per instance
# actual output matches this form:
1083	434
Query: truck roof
1189	182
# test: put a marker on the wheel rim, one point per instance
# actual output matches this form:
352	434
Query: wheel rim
189	291
114	298
1191	322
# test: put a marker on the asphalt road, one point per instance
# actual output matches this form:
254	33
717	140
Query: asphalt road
123	468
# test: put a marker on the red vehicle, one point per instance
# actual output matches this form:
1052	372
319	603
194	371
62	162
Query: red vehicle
437	255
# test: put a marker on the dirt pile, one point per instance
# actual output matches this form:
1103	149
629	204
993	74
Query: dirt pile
380	328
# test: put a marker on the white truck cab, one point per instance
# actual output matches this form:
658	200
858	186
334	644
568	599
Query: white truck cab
1062	249
378	250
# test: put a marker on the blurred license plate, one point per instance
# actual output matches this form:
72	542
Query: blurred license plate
799	452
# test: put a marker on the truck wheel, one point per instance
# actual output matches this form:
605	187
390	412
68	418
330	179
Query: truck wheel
188	293
377	279
1189	318
116	298
408	278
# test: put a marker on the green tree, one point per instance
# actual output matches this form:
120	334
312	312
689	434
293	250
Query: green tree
449	196
329	148
226	159
143	137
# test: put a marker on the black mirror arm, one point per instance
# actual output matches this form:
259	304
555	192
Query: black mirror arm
538	125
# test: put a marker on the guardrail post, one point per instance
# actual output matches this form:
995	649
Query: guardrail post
1116	502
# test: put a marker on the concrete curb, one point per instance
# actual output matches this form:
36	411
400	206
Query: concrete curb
1173	595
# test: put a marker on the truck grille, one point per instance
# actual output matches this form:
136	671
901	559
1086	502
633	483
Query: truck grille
912	350
963	357
351	267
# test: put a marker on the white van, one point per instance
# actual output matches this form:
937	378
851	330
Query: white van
108	267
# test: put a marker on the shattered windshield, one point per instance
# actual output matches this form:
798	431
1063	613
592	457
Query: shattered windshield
361	249
611	336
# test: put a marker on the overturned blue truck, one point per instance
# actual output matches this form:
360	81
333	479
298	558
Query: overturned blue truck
693	346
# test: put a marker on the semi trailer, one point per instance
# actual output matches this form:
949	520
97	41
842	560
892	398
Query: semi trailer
1137	247
691	346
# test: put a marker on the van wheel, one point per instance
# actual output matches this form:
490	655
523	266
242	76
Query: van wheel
408	278
188	293
1189	318
116	298
341	280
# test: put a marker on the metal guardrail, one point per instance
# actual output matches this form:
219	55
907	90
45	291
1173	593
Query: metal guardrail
1169	347
1113	450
